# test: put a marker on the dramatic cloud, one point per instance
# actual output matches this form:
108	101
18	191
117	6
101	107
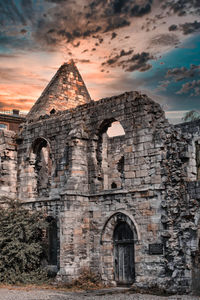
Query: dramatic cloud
19	75
56	1
18	12
181	7
136	62
190	87
49	24
114	38
179	74
113	60
17	21
139	62
163	85
128	7
21	104
116	23
83	61
7	56
182	74
10	13
14	42
114	34
173	27
164	40
85	19
189	28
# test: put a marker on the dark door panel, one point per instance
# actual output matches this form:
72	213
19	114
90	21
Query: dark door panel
124	254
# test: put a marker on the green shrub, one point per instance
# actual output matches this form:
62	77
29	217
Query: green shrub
22	247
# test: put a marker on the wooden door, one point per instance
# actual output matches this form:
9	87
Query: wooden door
124	254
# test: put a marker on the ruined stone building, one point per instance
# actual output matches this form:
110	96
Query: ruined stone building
124	206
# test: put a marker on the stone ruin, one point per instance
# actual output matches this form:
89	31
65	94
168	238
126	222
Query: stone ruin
125	206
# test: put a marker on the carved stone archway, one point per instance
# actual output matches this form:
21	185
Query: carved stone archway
108	248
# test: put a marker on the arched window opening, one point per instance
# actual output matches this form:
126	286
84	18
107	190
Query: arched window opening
115	129
43	166
52	112
52	237
113	185
110	148
3	126
197	146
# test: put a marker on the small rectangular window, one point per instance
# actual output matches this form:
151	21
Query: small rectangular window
3	126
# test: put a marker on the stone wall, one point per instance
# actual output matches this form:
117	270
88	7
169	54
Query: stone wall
84	164
8	165
90	183
190	212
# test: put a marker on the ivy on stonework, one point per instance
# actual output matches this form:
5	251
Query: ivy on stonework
22	244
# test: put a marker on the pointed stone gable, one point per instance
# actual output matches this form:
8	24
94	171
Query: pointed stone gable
66	90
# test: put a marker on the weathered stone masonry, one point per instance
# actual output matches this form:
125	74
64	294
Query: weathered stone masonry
8	165
126	207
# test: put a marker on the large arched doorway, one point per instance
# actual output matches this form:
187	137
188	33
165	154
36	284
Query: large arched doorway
119	236
124	254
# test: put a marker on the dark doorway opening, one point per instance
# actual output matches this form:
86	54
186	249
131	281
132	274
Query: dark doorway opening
124	254
52	241
196	271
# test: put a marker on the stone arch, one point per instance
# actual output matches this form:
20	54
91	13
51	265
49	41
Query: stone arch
34	146
106	123
38	142
28	172
40	166
111	222
107	242
43	165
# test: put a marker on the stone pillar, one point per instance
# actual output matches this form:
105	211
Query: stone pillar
78	177
74	237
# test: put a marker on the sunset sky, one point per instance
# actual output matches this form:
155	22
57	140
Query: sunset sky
151	46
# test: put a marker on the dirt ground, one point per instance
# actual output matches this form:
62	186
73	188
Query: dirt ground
18	293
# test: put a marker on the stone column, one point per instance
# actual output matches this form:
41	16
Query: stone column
78	175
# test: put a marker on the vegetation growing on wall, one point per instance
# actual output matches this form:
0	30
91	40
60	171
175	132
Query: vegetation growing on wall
22	246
